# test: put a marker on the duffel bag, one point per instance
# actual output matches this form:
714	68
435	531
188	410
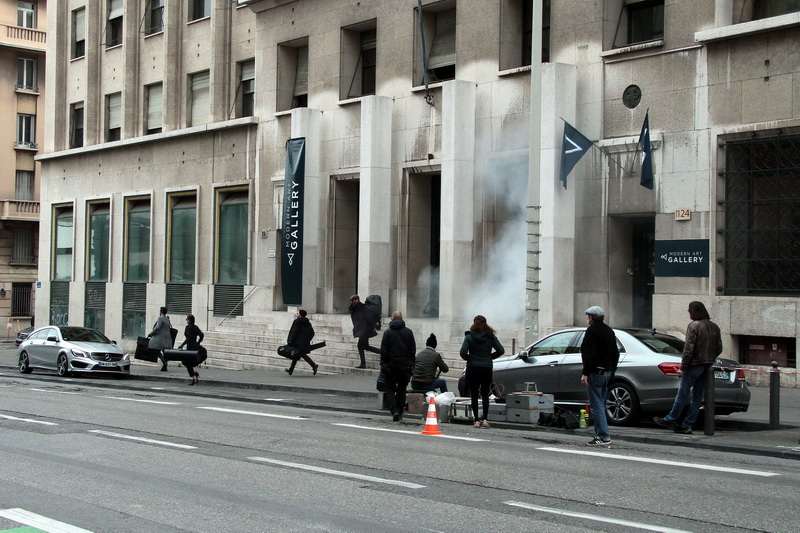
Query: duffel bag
184	356
289	352
143	352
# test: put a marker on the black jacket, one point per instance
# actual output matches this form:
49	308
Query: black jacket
300	334
193	337
398	349
477	347
599	349
363	320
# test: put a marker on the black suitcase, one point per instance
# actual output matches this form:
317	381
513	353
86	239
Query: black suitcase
143	352
184	356
374	305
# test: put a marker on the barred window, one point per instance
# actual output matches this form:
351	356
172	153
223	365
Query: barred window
762	216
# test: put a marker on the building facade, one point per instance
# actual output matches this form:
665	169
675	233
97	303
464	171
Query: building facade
164	171
22	62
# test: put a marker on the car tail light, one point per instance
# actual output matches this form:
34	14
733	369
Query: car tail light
670	369
740	374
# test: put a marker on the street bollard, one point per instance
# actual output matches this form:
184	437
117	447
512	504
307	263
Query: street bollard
709	403
774	397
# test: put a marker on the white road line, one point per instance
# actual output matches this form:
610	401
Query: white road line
274	399
137	400
55	391
663	462
596	518
142	439
338	473
254	413
9	417
40	522
470	439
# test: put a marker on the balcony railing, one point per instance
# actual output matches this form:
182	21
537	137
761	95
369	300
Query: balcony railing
19	210
22	37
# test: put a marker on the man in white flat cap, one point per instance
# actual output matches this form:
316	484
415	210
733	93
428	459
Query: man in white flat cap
600	356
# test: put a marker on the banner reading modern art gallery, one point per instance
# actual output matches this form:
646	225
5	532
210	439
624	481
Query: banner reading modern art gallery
292	244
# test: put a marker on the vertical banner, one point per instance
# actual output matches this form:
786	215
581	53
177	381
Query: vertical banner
292	243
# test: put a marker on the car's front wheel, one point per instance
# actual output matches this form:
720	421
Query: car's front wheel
622	404
62	365
24	363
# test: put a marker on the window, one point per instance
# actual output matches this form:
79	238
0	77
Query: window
114	27
231	241
26	130
182	225
199	9
359	60
293	75
200	101
97	241
79	33
154	120
62	243
639	21
21	299
773	8
24	185
26	74
762	216
247	82
137	240
154	19
76	125
22	251
114	117
435	44
26	14
516	22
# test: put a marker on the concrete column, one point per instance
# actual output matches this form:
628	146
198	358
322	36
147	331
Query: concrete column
375	192
221	67
459	100
131	93
557	213
306	123
723	13
94	104
55	98
174	75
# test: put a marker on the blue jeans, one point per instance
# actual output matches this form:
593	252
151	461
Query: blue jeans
694	380
597	391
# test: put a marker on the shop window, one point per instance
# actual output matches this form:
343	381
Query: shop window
181	231
79	33
231	236
114	24
435	43
62	243
154	105
358	60
154	17
200	102
137	240
98	241
76	125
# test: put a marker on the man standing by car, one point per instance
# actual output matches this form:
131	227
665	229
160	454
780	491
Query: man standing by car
702	347
600	356
397	362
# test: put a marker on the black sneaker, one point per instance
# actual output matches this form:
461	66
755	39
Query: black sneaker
396	417
597	441
671	424
683	431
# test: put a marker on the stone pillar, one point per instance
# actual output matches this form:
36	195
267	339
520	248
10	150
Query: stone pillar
458	181
723	13
375	193
306	123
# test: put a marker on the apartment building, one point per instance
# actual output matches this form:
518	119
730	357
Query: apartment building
165	172
22	61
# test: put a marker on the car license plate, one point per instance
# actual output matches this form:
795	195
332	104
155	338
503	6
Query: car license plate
720	374
105	363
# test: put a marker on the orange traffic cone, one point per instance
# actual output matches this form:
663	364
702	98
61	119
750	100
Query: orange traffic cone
431	422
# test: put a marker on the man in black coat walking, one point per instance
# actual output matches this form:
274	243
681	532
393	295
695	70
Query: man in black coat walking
300	336
600	356
398	352
363	327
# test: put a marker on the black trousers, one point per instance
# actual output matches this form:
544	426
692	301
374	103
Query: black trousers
305	358
363	344
479	380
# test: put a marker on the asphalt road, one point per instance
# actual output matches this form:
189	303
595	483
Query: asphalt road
120	460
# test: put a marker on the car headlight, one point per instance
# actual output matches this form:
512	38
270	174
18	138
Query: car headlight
126	356
79	353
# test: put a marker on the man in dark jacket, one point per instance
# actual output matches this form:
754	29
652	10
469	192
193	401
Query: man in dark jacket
702	347
427	363
363	327
600	356
397	362
300	336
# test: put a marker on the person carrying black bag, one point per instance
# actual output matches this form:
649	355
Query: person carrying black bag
300	336
161	337
193	339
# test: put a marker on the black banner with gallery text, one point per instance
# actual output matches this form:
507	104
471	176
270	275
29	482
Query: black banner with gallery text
292	237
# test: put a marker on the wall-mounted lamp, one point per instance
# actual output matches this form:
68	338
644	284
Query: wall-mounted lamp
2	293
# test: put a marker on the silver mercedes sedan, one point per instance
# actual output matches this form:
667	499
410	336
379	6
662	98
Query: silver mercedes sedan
645	382
68	349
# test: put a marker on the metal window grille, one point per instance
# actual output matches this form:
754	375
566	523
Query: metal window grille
59	303
21	299
228	300
22	251
179	298
762	216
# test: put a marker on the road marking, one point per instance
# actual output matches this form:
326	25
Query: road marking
470	439
254	413
55	391
663	462
596	518
9	417
274	399
338	473
137	400
142	439
41	522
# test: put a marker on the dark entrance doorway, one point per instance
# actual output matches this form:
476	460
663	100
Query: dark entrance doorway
643	280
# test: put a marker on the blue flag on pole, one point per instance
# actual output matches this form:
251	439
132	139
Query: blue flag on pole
573	146
646	179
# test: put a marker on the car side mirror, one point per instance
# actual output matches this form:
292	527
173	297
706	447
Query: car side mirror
52	338
523	355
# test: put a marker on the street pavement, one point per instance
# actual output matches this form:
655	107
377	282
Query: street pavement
746	433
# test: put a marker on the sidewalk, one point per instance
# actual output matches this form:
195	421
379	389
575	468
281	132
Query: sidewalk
740	433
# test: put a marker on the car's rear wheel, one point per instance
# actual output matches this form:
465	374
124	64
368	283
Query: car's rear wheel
24	363
622	404
62	365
